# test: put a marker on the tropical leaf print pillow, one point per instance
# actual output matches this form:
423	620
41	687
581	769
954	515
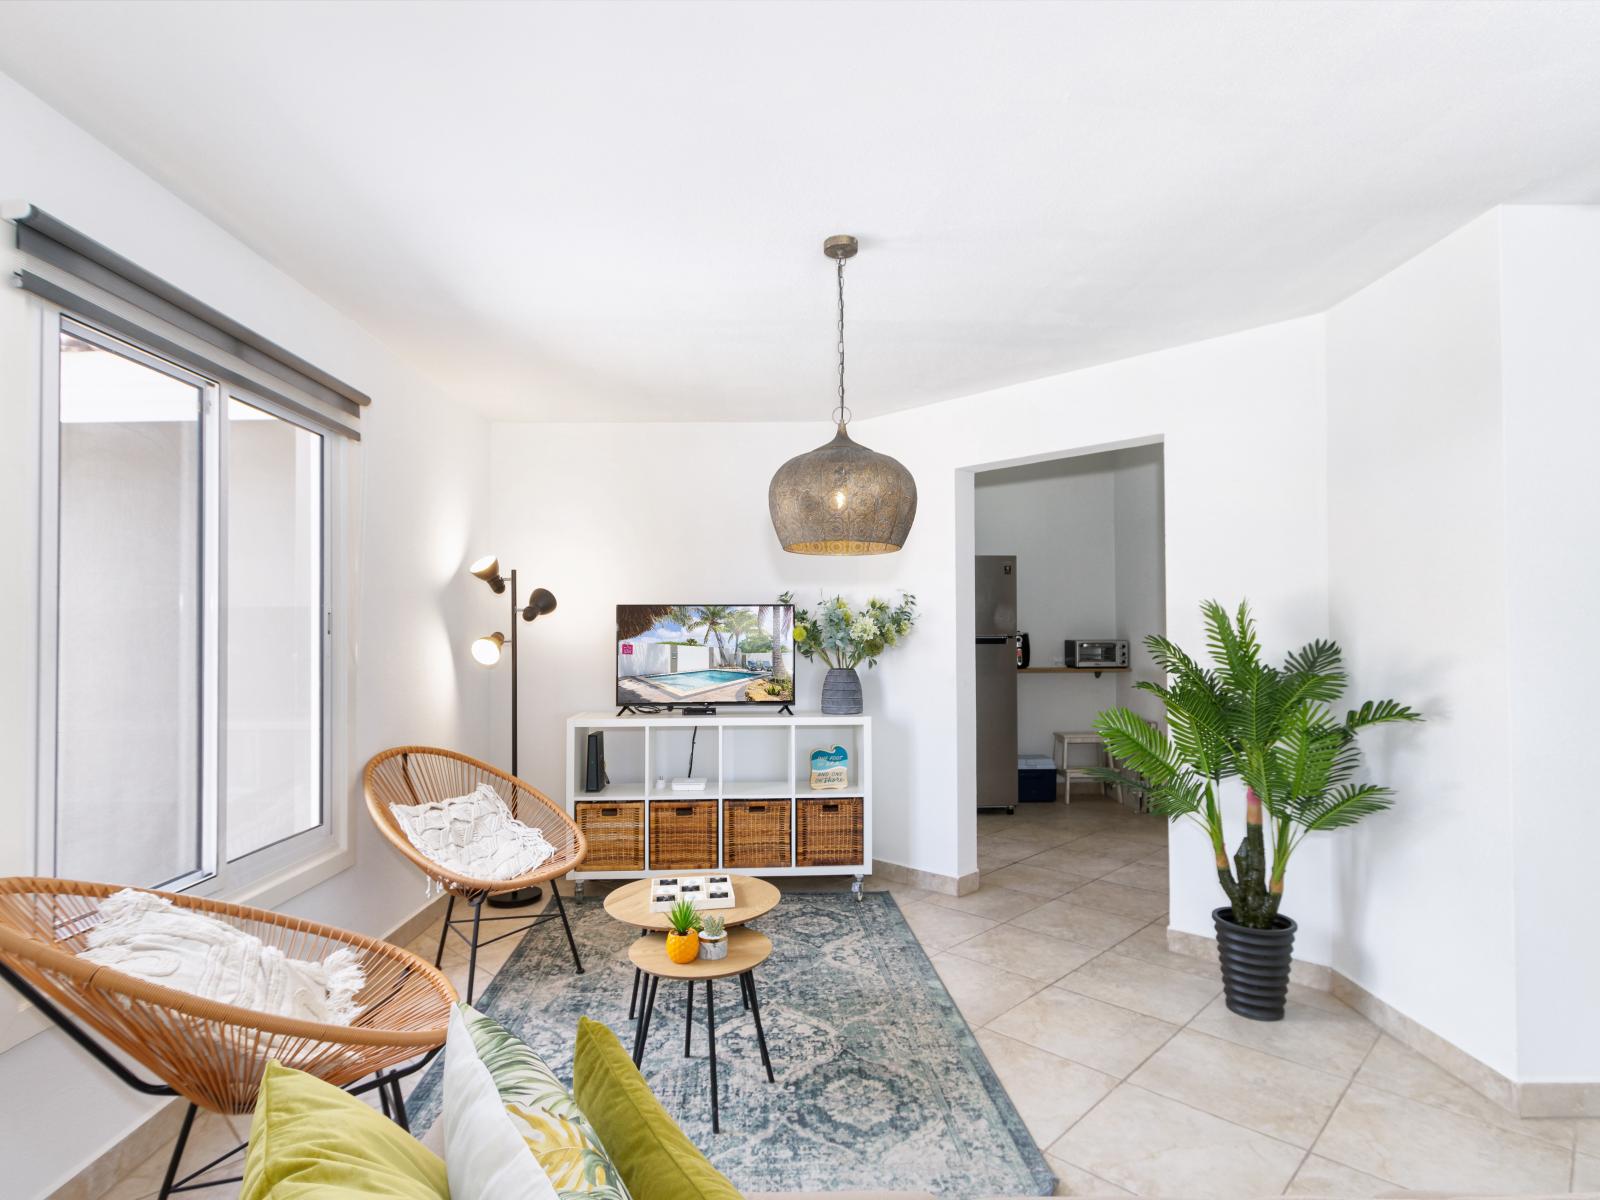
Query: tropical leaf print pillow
545	1114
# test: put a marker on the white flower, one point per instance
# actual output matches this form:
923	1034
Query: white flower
863	629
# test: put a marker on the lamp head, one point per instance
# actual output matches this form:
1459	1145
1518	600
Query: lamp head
540	602
486	650
488	570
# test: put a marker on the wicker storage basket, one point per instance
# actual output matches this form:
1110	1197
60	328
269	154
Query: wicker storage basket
828	833
615	832
757	833
683	835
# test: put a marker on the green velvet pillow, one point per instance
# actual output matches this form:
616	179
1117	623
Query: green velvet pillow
310	1139
653	1156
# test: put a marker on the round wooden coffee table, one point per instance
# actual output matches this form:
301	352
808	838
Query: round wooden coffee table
630	905
747	950
752	898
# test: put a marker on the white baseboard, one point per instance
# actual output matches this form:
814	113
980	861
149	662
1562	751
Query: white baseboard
1533	1099
160	1129
928	881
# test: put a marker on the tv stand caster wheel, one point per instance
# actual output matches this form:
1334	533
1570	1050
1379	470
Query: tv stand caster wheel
577	889
855	889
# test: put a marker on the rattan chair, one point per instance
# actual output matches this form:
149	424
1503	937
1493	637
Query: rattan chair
211	1054
420	774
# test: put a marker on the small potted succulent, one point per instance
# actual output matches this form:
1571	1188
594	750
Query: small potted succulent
713	937
683	942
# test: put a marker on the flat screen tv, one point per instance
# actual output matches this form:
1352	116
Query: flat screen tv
705	654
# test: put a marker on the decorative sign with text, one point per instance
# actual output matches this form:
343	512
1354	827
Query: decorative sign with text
830	769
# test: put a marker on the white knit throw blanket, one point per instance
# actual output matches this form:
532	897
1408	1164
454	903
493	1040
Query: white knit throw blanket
149	937
474	835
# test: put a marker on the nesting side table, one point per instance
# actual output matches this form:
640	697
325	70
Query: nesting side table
747	950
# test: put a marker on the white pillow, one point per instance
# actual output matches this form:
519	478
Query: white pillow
149	937
484	1154
474	835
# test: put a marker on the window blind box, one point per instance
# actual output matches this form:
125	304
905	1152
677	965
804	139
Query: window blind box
51	243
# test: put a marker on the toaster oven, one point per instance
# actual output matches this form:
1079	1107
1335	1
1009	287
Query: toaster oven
1105	652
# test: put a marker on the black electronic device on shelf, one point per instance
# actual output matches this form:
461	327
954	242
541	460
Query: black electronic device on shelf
595	778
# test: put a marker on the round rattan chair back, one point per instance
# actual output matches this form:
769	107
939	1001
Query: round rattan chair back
421	774
214	1054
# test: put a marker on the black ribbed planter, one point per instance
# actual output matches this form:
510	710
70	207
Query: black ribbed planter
1255	965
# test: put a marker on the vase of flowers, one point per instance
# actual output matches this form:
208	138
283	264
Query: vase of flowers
844	638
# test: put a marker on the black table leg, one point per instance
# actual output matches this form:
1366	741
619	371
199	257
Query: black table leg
749	978
633	1000
711	1036
744	992
651	983
688	1019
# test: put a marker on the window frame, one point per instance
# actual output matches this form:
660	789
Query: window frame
292	864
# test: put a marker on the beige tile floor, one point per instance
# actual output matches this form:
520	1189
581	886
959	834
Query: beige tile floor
1132	1076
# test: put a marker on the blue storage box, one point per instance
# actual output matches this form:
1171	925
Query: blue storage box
1036	779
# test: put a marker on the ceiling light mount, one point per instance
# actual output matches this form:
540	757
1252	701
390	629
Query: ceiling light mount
841	245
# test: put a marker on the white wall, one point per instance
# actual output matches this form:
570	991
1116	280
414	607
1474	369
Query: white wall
1139	517
417	493
579	510
1058	518
1417	570
1550	371
1242	422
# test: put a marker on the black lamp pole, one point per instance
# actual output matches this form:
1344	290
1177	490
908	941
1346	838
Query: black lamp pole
540	602
516	730
522	895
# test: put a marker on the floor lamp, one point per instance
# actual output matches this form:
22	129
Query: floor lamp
486	651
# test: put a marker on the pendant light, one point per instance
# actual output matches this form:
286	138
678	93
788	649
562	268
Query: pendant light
842	498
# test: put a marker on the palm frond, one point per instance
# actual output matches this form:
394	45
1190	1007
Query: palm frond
1344	806
1320	657
1135	741
1379	712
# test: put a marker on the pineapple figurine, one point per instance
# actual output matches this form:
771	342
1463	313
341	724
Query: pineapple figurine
683	943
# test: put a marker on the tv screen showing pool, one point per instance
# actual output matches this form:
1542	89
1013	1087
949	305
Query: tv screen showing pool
705	654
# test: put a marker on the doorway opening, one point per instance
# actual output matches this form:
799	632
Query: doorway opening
1068	581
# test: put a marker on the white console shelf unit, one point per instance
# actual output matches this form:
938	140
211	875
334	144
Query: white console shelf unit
743	755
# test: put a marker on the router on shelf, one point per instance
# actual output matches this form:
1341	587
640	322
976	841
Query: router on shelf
695	783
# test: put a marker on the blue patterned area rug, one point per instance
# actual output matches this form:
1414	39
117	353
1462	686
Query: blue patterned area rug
880	1083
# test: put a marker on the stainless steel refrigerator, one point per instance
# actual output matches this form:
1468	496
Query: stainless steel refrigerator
995	618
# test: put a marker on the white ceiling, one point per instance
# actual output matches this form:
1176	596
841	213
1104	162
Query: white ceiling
615	211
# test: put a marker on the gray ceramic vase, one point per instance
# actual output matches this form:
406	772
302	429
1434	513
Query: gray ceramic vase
841	692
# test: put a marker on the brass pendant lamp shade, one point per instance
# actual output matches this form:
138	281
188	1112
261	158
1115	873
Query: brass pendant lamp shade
842	498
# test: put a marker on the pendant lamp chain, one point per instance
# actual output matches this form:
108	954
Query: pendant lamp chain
839	413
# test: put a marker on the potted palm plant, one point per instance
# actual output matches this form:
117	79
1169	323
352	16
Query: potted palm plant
1273	728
